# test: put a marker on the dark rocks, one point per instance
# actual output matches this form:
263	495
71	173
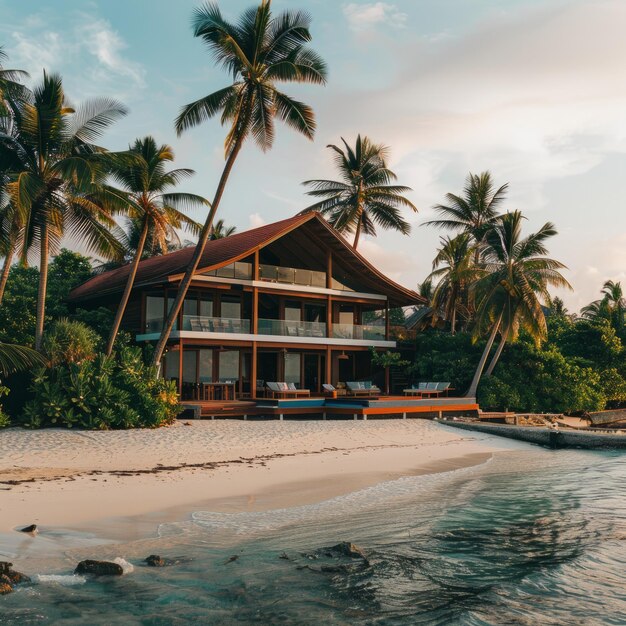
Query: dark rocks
29	529
99	568
346	548
284	556
154	560
9	577
231	559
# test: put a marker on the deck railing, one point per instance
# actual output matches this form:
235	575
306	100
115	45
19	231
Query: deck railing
215	324
291	328
357	331
282	328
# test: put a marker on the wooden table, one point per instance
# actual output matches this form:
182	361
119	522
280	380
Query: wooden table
226	391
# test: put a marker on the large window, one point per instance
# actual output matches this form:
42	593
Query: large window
189	367
229	365
293	312
205	373
154	313
231	307
292	367
346	314
171	364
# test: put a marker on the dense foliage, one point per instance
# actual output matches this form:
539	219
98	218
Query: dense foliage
581	367
17	313
103	393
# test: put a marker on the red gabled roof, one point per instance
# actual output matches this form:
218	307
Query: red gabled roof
240	245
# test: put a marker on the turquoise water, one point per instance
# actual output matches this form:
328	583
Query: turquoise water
531	537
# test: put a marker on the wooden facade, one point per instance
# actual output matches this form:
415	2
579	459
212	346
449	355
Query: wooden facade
289	302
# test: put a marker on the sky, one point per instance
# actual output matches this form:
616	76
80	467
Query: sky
532	90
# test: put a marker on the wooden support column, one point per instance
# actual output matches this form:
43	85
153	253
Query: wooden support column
253	371
387	320
329	365
180	368
329	270
255	310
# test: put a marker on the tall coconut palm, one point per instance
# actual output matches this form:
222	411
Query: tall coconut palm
10	231
56	176
220	230
517	276
260	51
611	306
153	207
473	212
454	273
364	197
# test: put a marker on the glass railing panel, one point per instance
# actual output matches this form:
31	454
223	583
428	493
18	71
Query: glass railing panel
243	271
357	331
318	279
291	328
268	272
198	323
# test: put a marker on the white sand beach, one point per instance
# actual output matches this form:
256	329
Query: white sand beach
69	478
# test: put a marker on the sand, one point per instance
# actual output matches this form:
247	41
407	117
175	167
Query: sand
77	479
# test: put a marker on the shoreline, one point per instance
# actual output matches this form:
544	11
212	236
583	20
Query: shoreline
110	492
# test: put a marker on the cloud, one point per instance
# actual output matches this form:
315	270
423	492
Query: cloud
87	52
256	220
367	16
389	261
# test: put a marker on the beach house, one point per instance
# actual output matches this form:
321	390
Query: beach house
289	302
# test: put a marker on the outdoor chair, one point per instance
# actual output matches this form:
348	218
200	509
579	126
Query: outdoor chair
362	388
283	390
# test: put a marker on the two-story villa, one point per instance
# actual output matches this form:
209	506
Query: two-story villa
288	302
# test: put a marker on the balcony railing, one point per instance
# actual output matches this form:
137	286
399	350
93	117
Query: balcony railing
215	324
355	331
290	328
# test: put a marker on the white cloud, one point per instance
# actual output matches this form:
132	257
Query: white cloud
367	16
256	220
89	56
391	262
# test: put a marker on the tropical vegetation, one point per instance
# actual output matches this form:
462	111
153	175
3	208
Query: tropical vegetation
365	196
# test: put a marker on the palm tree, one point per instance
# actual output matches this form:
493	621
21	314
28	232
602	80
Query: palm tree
56	176
364	197
611	306
153	208
455	272
259	51
10	231
517	276
14	358
220	230
473	212
11	89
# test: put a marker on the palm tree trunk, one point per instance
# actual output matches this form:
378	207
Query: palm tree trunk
496	356
195	260
453	321
473	388
358	234
43	287
4	277
129	287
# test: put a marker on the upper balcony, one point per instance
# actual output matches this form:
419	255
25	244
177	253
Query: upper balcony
291	331
278	274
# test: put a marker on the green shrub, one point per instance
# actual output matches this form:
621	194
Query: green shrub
68	342
4	418
100	394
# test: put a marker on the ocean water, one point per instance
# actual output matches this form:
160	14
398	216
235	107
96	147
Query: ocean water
531	537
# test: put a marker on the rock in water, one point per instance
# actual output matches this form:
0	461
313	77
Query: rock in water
10	576
154	560
29	529
99	568
347	548
5	585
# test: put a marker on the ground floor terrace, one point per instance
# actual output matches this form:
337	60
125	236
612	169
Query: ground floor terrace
229	372
383	406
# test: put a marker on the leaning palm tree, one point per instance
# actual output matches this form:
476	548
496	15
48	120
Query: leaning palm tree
517	276
220	230
153	206
454	273
56	176
473	212
10	231
259	51
364	197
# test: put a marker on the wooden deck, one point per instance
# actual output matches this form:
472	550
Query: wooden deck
399	407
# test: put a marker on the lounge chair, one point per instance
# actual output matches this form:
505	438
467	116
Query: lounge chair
362	388
444	388
285	390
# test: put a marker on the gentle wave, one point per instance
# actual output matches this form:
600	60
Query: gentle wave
66	580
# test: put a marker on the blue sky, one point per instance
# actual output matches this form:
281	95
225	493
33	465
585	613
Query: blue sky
534	91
